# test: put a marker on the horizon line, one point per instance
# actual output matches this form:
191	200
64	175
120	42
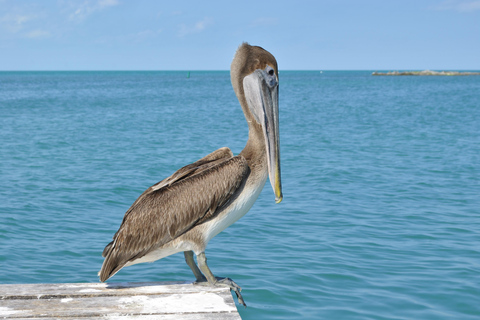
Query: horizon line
226	70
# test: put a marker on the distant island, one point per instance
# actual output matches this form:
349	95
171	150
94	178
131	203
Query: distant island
425	73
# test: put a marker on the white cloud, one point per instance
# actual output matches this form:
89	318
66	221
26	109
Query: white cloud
26	21
458	5
196	28
38	33
89	7
15	22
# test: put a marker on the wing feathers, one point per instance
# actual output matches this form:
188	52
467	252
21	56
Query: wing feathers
192	195
200	165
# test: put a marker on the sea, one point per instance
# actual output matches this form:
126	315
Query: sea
381	181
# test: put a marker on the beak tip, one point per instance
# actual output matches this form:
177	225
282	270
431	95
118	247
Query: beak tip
279	199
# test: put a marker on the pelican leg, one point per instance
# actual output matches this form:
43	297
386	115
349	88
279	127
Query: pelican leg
191	263
216	281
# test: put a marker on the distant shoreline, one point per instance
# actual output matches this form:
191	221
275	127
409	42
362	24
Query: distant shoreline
425	73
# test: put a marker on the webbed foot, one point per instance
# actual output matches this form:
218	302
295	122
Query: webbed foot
225	282
233	286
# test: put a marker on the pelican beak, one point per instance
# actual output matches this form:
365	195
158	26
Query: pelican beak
261	93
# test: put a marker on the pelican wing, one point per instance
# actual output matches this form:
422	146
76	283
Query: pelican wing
206	162
192	195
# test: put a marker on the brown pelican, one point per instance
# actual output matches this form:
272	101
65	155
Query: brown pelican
186	210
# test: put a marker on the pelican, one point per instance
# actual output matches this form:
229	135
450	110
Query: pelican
186	210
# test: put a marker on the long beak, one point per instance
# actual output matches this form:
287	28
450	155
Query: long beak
261	92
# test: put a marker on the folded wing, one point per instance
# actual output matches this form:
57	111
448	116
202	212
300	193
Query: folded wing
192	195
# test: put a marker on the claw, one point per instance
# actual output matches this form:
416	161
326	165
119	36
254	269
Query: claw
226	282
233	286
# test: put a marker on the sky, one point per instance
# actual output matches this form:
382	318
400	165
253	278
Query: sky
203	35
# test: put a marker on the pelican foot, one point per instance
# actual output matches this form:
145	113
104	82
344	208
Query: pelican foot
225	282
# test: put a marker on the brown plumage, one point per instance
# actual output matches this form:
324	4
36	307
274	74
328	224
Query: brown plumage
170	208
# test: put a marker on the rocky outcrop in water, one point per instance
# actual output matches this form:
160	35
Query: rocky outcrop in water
425	73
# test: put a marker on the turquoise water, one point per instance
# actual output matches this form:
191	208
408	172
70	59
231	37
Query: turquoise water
381	176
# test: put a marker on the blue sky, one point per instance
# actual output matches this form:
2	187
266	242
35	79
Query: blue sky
203	35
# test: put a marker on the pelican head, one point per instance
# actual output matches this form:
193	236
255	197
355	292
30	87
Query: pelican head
254	75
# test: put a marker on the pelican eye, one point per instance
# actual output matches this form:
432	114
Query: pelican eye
270	77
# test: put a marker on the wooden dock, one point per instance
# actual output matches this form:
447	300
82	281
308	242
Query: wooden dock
122	301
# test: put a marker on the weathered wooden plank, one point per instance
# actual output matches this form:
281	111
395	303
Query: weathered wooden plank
44	291
187	316
138	304
149	300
